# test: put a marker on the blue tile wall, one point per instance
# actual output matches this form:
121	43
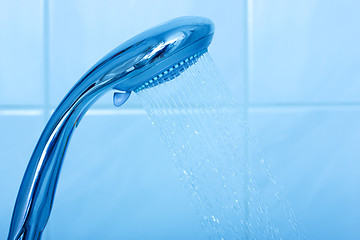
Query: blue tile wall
304	51
292	64
21	48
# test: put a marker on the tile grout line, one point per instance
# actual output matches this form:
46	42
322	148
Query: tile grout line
249	106
303	104
247	14
46	56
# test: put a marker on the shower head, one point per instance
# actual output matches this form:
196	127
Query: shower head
154	52
155	56
148	59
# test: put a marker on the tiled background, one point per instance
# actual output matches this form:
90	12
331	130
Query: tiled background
294	65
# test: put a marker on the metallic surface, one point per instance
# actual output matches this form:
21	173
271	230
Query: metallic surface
125	68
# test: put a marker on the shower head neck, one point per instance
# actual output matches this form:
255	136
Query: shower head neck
144	61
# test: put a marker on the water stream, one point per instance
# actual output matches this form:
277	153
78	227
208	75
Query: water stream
211	146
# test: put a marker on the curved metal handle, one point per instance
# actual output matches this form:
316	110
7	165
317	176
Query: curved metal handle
35	198
36	194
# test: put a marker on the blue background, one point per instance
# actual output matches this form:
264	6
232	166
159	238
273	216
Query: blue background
293	65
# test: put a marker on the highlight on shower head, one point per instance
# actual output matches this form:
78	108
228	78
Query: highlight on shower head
146	60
